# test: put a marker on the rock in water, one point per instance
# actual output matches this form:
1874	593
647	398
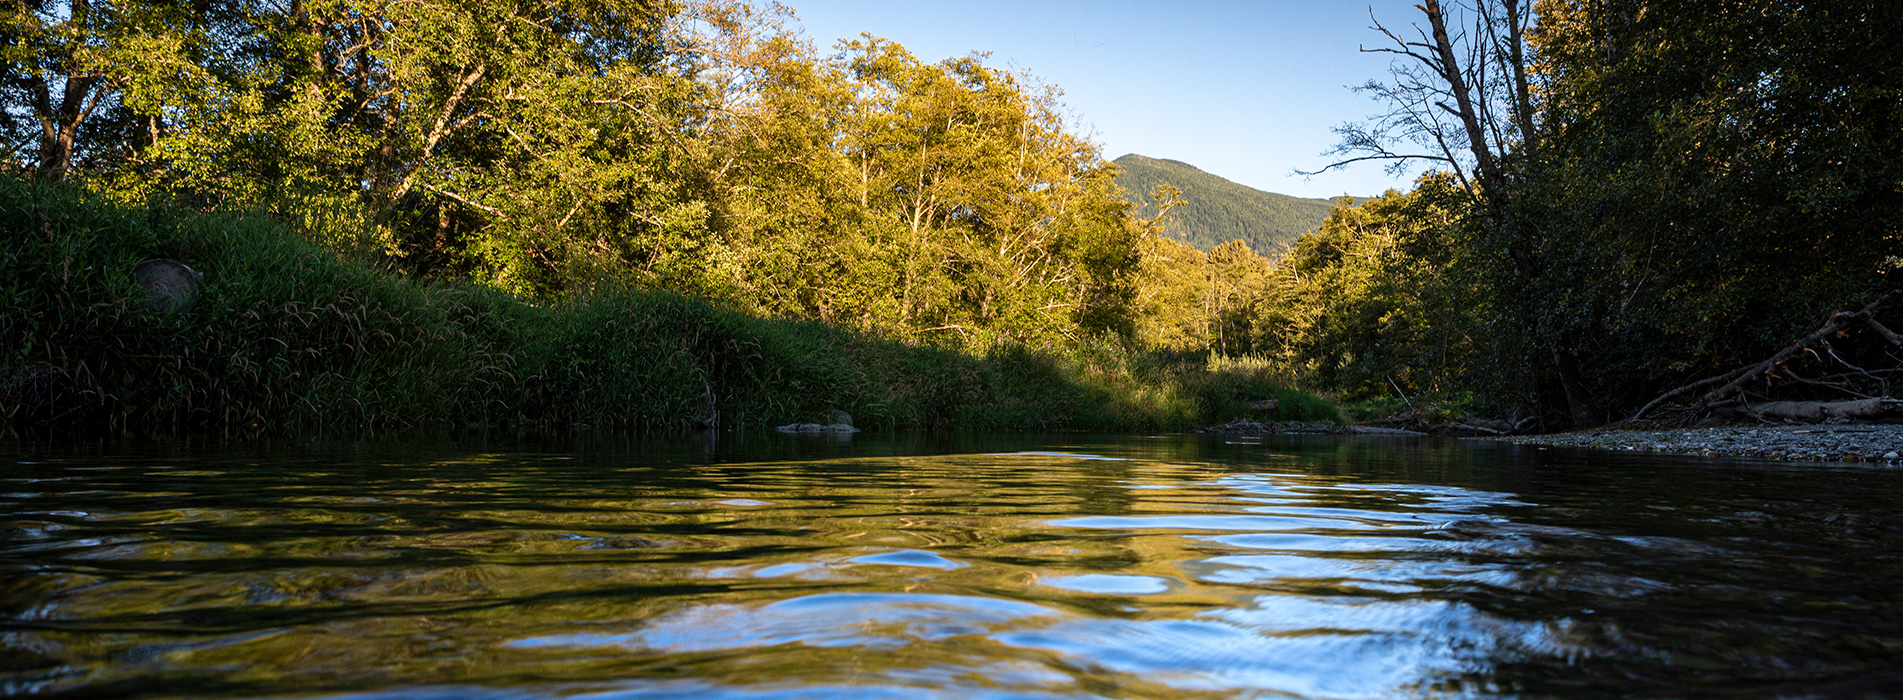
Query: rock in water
836	428
708	417
838	417
168	283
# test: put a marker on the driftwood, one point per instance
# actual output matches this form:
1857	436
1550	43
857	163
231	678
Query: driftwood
1825	411
1428	424
1887	334
1457	425
707	417
1736	380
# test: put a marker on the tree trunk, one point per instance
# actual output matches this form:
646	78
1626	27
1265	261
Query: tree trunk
1457	84
1575	386
59	124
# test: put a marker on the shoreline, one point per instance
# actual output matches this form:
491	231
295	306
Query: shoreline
1874	443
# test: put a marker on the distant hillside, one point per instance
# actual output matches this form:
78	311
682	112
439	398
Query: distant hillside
1216	211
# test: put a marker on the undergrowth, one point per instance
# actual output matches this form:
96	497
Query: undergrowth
285	333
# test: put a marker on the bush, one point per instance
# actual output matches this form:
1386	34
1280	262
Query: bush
284	333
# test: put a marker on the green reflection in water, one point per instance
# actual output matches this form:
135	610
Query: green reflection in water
915	567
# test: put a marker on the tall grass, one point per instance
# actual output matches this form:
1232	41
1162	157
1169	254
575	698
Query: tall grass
284	333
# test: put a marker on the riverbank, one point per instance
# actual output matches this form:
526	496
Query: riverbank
1805	443
284	333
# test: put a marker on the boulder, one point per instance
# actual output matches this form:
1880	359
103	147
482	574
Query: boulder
168	283
816	428
837	422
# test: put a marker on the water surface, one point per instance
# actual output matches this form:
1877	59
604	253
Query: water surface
908	567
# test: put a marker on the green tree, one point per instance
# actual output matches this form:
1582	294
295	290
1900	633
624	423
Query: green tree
1714	180
1659	190
1378	297
67	70
943	202
1237	281
1172	313
547	147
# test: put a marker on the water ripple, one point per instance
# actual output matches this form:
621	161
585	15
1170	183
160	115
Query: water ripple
1072	568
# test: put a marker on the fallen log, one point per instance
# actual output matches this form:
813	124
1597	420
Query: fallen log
1823	411
1740	377
1475	428
1887	334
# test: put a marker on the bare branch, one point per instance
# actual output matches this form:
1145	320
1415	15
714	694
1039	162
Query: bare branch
1339	163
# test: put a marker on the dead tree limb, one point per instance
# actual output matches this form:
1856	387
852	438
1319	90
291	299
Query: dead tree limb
1887	334
1836	325
1728	376
1739	378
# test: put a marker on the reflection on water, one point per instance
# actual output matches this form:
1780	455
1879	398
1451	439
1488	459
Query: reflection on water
906	568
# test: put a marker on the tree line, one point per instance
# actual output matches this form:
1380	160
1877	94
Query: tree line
550	147
1627	194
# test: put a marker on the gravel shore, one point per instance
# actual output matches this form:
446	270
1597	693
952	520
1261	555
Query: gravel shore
1797	443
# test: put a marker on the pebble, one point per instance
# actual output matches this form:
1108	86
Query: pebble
1807	443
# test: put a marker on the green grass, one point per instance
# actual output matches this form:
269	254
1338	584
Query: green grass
287	334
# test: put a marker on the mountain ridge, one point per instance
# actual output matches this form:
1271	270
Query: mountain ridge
1216	210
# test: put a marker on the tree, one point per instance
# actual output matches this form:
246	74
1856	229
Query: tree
1715	178
941	202
1461	92
63	69
549	147
1463	89
1660	189
1376	297
1237	276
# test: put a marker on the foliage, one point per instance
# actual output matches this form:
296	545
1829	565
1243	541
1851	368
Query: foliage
1171	310
1714	183
545	148
586	201
944	202
1639	194
1374	302
284	333
1190	301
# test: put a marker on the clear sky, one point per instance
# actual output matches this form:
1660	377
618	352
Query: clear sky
1247	90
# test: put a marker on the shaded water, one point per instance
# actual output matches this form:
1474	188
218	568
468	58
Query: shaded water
883	567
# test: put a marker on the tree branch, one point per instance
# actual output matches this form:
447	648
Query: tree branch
438	130
1738	378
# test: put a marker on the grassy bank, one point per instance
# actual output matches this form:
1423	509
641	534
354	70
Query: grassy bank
286	334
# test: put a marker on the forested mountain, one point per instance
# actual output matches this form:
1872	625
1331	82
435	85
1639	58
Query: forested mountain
1216	211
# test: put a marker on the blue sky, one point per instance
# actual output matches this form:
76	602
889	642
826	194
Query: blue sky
1245	90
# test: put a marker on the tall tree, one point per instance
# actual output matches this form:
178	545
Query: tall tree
1463	89
1716	177
1661	188
946	202
60	69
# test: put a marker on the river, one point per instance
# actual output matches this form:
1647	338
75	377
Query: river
1062	566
